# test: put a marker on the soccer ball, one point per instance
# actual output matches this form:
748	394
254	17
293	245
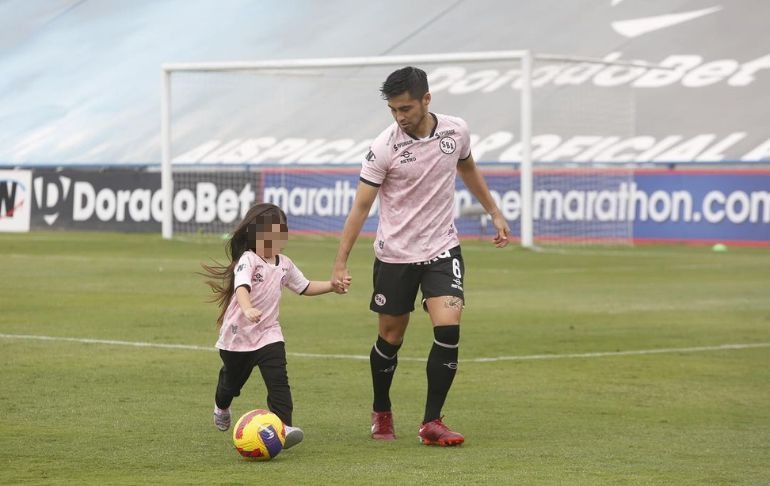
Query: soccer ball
259	435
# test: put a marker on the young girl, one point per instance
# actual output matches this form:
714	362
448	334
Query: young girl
248	291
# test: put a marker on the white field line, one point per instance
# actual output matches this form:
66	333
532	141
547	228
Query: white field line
531	357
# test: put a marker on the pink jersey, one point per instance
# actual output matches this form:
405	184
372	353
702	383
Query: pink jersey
265	282
416	178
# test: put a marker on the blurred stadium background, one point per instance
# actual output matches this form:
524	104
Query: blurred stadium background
81	91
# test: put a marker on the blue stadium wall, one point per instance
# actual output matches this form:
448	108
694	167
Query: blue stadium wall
659	205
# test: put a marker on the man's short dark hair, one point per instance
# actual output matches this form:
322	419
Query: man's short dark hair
409	79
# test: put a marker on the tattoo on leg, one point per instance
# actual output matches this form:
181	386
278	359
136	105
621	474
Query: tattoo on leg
453	303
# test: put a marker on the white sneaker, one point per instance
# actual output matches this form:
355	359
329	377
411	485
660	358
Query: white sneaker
222	419
294	436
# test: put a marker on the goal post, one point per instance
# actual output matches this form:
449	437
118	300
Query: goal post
396	60
522	118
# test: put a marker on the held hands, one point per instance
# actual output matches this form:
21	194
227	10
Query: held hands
340	279
503	231
341	286
253	314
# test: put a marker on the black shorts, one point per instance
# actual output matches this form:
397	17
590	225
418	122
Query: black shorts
396	284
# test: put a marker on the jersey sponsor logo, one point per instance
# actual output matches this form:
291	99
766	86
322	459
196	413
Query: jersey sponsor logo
380	299
447	145
399	145
407	157
444	133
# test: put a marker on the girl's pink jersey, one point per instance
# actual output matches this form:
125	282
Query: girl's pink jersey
416	178
265	282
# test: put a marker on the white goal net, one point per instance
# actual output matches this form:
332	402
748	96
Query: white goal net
294	133
580	185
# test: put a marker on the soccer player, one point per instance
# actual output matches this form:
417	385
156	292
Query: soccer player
248	291
412	165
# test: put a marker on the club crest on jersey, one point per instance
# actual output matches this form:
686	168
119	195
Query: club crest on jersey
447	145
258	278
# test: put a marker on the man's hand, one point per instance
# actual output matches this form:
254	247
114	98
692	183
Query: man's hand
341	286
340	279
503	231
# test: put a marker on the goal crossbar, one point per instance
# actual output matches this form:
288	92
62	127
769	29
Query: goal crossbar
341	62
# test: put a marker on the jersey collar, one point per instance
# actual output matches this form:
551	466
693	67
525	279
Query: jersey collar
432	132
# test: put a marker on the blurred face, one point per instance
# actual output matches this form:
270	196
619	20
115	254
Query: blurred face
409	113
271	237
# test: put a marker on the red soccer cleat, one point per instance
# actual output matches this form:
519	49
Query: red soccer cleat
382	426
436	433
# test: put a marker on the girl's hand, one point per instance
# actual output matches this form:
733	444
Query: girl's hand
253	314
341	286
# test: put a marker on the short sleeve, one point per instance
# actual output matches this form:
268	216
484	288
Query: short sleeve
375	166
243	271
465	140
295	280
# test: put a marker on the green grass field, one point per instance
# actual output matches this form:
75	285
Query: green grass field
566	405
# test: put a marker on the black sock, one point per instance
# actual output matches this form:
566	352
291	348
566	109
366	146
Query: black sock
383	360
441	368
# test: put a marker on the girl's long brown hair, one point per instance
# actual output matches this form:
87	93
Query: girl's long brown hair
243	238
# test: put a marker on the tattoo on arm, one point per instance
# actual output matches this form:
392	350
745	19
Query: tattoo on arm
453	303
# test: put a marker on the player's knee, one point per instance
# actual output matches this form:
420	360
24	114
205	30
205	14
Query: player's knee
393	328
386	349
448	335
392	337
